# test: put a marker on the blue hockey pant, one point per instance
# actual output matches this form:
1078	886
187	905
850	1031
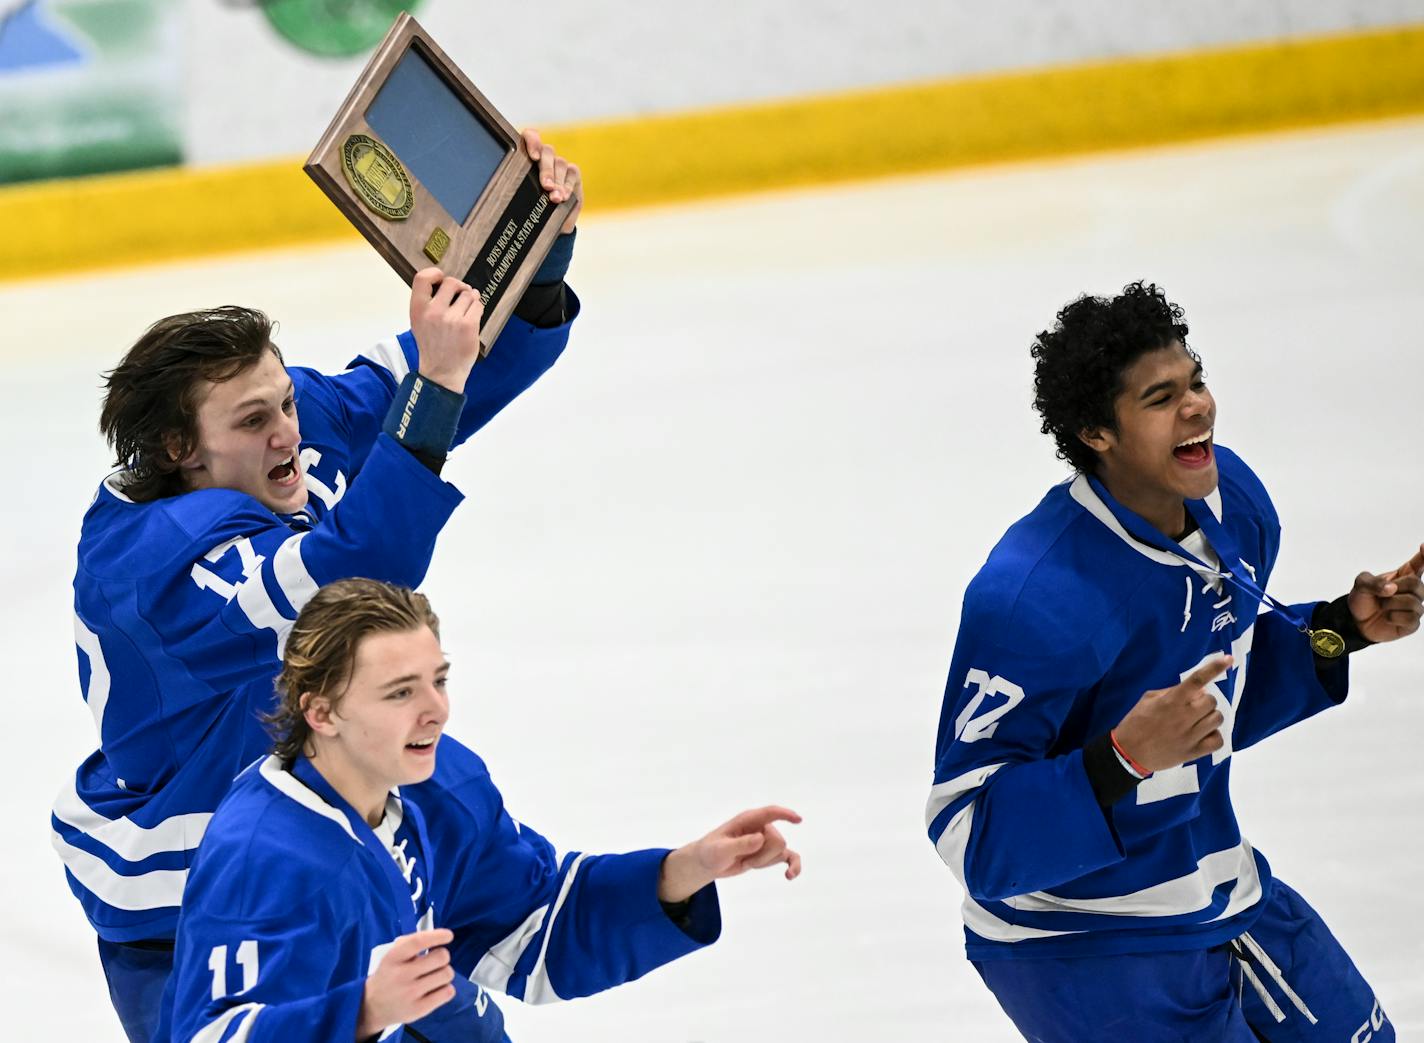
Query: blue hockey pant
1286	980
137	975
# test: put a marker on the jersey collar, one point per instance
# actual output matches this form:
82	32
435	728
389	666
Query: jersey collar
112	484
1129	527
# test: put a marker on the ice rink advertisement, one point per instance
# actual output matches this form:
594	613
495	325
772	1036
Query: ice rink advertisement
89	86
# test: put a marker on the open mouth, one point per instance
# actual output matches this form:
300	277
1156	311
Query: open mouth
285	473
422	747
1194	452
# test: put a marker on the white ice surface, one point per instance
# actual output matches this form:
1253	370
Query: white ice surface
715	558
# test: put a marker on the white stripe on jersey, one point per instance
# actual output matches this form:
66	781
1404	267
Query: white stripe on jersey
951	845
538	989
987	925
954	841
388	353
125	837
496	966
291	572
289	785
98	694
943	794
257	605
1185	894
213	1030
156	889
251	592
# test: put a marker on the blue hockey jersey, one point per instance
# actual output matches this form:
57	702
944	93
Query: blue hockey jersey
293	899
1079	610
182	606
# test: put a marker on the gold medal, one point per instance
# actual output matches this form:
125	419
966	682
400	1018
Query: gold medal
1326	644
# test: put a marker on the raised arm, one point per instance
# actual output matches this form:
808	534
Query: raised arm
227	616
530	343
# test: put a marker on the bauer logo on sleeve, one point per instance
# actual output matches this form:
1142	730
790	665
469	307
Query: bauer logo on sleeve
377	177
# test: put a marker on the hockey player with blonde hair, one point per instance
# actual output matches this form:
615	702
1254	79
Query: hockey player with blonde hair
366	875
243	485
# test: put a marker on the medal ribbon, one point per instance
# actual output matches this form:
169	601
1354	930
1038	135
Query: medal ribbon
1215	535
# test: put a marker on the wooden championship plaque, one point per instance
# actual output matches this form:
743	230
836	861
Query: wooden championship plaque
430	173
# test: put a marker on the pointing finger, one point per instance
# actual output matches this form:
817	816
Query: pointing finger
1409	586
1213	669
758	818
1413	567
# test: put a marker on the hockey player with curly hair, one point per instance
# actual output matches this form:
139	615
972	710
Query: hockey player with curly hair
1116	649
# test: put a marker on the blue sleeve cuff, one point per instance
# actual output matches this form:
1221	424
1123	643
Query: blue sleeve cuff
423	416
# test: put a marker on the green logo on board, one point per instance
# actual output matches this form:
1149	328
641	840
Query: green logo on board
335	28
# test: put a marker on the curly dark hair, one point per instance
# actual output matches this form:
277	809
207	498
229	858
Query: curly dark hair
150	414
322	645
1080	362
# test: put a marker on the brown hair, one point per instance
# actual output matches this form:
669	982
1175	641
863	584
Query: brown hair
322	646
150	414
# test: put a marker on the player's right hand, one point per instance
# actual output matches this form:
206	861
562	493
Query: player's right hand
412	980
1171	726
748	841
446	324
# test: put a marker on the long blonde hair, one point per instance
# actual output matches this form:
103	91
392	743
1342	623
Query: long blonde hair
322	646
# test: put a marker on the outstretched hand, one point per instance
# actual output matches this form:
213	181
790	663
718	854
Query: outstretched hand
748	841
1387	607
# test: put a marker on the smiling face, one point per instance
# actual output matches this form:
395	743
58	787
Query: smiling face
1161	452
248	438
382	730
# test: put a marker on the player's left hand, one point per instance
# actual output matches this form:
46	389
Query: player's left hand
560	178
748	841
1388	606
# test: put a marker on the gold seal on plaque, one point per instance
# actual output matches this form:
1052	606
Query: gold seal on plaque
377	177
437	244
1327	644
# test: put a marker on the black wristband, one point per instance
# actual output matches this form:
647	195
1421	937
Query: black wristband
1109	779
543	307
680	913
1336	615
434	464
